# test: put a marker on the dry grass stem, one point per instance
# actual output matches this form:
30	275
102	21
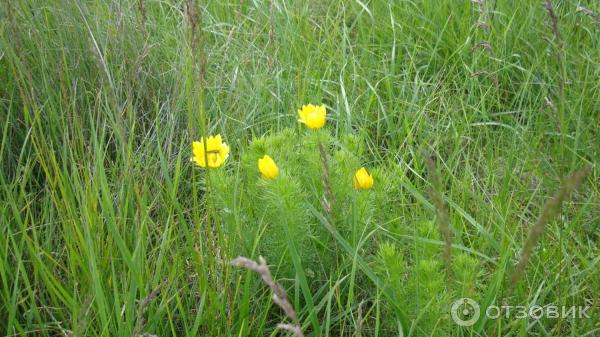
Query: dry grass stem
293	328
590	13
443	218
144	304
559	43
360	319
550	210
279	295
143	14
194	20
553	20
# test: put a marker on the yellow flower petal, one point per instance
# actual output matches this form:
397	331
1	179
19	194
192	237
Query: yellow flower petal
213	143
302	114
198	153
267	167
216	151
362	180
314	117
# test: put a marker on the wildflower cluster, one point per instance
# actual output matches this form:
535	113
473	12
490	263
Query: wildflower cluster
284	180
214	151
291	188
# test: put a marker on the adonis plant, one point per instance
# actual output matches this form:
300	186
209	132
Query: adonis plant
310	203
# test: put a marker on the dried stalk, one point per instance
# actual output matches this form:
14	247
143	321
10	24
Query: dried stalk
590	13
194	20
359	320
144	304
293	328
443	218
559	42
549	212
482	22
553	20
483	26
279	295
143	14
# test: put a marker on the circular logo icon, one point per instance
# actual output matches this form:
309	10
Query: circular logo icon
465	312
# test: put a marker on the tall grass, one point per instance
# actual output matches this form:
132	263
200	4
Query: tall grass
107	229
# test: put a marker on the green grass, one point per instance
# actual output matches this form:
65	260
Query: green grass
107	229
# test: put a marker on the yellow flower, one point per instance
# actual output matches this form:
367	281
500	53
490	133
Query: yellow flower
362	179
312	115
267	167
216	152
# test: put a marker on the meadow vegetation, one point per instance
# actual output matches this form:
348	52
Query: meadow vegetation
479	122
